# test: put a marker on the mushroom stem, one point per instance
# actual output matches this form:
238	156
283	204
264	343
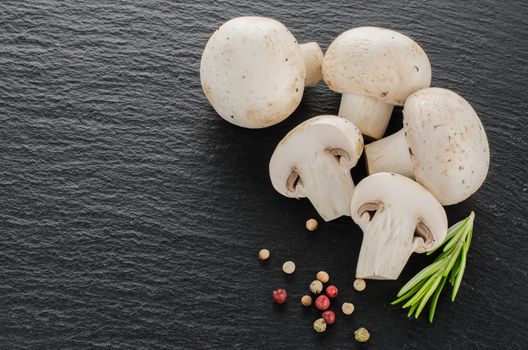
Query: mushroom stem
386	246
390	154
313	59
368	114
327	185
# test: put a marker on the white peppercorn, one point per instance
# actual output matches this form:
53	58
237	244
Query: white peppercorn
288	267
316	287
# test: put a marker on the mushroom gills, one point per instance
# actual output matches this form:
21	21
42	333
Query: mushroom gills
327	184
423	237
370	115
398	217
370	209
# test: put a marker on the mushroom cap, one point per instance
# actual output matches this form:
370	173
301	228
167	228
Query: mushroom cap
390	190
323	133
376	62
447	142
252	71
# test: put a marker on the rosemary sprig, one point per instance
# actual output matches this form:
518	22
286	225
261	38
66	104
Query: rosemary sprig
448	266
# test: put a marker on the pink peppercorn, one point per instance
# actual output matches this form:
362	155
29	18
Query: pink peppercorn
280	296
329	317
331	291
322	302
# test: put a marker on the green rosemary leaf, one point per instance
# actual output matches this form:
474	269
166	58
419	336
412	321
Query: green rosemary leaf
454	228
444	255
458	280
456	238
458	264
456	252
426	272
409	293
434	301
428	294
456	270
413	307
421	292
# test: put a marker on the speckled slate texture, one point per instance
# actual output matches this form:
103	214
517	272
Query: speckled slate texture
131	215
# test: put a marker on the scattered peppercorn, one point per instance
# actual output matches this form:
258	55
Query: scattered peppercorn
312	225
347	308
322	302
288	267
362	335
316	287
306	300
280	296
329	317
319	325
332	291
360	284
264	254
323	276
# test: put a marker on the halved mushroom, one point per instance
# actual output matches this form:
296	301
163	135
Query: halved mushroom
442	144
398	217
253	71
314	160
375	69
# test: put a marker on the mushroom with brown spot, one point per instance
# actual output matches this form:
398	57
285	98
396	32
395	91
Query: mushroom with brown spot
375	69
253	72
314	160
442	144
398	217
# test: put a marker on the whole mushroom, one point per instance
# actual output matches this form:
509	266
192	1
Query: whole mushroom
375	69
314	160
253	72
398	217
442	144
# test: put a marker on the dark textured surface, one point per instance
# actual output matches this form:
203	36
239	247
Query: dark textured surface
131	214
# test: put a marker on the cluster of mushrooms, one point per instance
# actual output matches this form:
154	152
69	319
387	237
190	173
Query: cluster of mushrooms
253	73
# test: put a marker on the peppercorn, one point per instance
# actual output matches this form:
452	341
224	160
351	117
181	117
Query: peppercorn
306	300
319	325
332	291
288	267
323	276
322	302
316	287
263	254
280	296
312	224
329	317
362	335
360	284
347	308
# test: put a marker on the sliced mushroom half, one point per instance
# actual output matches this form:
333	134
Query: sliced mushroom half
398	217
314	160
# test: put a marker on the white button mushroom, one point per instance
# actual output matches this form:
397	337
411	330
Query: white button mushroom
314	160
398	217
253	71
442	144
375	69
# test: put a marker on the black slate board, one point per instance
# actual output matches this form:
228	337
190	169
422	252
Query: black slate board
131	214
